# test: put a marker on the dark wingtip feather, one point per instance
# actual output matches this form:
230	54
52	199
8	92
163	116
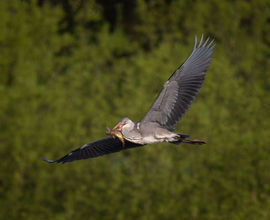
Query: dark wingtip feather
205	42
211	45
48	161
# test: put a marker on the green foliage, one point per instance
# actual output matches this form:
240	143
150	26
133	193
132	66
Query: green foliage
70	68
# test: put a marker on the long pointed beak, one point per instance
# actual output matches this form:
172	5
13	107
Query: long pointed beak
118	126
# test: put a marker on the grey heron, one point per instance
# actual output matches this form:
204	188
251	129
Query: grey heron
159	123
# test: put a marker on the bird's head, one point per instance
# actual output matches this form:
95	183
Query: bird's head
124	124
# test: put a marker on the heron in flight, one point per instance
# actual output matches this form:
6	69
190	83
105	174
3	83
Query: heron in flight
159	123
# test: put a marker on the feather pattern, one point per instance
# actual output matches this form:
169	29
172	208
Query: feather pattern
97	148
180	90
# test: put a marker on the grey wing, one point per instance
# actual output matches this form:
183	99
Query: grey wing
97	148
180	90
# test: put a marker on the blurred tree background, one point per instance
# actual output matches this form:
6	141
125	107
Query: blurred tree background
69	68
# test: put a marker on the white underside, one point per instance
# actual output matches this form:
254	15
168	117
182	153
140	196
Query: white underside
148	133
153	140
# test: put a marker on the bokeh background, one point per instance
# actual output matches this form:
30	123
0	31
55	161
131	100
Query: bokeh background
69	68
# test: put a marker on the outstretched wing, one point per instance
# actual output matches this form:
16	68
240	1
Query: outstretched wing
97	148
180	90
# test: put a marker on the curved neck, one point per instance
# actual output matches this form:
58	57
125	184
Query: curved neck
131	132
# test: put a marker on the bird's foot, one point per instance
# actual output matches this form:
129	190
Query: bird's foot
193	141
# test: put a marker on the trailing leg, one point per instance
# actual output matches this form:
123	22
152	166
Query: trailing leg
193	141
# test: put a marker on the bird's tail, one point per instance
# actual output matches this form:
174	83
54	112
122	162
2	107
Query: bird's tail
183	139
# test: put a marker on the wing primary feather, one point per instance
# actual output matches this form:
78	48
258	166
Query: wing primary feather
212	47
49	161
205	42
198	54
200	41
210	43
195	44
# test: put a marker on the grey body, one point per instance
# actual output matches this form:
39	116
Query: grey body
158	125
178	93
146	133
